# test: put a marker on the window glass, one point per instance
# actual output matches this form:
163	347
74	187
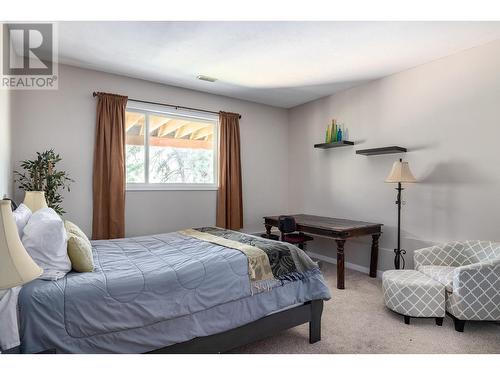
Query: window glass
170	150
135	148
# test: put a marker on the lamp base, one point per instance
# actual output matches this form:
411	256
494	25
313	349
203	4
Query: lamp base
3	292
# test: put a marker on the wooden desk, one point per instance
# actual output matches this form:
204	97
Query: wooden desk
338	229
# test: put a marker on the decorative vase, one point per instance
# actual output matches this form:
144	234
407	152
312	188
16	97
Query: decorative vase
333	136
35	200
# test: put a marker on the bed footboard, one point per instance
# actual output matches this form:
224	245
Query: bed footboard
310	312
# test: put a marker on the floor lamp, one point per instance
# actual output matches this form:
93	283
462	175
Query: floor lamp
400	173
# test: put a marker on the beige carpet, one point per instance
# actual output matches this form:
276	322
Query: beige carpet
355	320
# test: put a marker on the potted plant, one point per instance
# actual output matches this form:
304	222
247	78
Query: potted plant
40	174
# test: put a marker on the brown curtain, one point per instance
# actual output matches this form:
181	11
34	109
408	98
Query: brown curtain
109	168
229	197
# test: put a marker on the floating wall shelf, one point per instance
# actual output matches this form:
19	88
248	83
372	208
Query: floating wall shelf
334	144
381	150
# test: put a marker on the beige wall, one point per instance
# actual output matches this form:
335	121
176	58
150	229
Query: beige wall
447	113
65	120
5	145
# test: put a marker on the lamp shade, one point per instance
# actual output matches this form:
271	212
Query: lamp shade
16	266
35	200
400	173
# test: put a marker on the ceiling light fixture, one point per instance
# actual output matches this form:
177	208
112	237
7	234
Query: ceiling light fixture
206	78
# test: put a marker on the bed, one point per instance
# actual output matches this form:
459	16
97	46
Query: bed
173	293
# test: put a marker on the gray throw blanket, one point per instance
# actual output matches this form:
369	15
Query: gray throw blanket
270	262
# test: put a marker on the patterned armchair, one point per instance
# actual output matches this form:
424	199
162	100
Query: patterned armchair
470	272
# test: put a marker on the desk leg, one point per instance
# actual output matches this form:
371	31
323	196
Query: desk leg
374	255
340	263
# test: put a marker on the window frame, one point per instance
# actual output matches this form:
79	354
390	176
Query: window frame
155	109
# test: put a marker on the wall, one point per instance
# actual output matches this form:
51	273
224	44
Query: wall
64	119
447	113
5	144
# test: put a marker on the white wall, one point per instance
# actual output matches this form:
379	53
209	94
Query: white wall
5	144
64	119
447	113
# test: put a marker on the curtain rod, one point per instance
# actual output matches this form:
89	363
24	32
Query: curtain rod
94	94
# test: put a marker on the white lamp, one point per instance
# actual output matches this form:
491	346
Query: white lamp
35	200
16	266
400	173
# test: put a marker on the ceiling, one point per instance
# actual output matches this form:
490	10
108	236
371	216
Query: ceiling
283	64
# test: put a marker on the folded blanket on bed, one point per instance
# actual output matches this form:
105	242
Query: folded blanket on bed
269	262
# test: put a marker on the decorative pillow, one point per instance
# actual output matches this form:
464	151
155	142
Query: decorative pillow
74	229
79	248
45	240
22	215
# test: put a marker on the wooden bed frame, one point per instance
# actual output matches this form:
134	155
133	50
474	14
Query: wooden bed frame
310	312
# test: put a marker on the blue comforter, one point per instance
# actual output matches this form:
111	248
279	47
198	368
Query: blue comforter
150	292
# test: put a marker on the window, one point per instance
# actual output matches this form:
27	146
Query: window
170	149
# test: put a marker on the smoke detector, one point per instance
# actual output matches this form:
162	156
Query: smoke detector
201	77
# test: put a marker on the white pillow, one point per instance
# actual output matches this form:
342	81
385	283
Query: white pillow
45	240
21	215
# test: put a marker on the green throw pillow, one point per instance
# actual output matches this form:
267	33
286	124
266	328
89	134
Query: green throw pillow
79	248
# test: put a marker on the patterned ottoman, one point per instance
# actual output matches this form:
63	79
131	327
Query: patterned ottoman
413	294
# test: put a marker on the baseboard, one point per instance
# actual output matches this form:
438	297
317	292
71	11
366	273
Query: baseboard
351	266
